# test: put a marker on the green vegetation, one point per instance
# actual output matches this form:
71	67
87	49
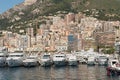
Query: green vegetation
58	5
4	23
100	9
108	50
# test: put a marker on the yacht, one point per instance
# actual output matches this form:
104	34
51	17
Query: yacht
45	59
59	59
102	60
82	57
2	59
72	60
31	61
15	59
91	61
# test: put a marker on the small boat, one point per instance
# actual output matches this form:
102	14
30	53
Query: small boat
15	59
113	67
2	59
46	60
31	61
72	60
59	59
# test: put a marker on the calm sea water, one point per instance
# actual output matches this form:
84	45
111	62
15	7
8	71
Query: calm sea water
82	72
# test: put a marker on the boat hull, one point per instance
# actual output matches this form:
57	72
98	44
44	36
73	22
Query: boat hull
30	64
91	63
2	63
102	63
112	71
14	63
45	63
60	63
72	63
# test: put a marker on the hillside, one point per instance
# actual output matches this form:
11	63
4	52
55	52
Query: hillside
27	14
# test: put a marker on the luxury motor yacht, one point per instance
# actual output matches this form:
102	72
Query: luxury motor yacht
15	59
31	61
46	60
59	59
72	60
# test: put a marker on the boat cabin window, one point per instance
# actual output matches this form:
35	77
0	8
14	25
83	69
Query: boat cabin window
16	55
114	62
46	56
1	56
59	56
31	58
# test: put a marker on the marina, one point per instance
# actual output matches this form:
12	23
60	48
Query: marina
83	65
18	59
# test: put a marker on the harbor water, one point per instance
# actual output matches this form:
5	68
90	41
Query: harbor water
81	72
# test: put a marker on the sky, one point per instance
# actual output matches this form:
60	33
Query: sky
7	4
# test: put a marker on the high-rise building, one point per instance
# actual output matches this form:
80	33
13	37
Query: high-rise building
72	42
23	42
30	32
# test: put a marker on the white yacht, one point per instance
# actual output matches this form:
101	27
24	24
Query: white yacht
102	60
15	59
31	61
59	59
82	57
46	60
2	59
91	60
72	60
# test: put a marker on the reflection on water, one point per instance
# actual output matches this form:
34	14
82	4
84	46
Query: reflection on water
82	72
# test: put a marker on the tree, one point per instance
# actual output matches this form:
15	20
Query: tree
108	50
